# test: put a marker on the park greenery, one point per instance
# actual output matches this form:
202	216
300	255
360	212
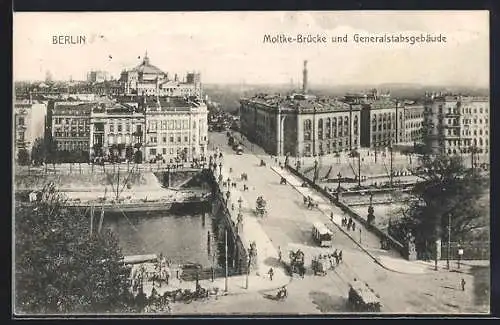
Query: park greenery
61	266
448	194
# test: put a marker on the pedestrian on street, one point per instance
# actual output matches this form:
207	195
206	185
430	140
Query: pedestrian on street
360	235
354	226
340	256
279	253
336	257
462	283
271	273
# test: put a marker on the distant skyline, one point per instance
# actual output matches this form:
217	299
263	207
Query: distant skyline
228	47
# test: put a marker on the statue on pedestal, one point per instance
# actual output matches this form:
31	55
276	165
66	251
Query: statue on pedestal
412	252
252	255
371	217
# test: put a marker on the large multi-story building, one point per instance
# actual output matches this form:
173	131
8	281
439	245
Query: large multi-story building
413	119
97	76
29	123
71	125
300	125
456	124
382	119
116	128
176	127
147	79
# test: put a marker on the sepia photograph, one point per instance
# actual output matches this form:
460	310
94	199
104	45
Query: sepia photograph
252	163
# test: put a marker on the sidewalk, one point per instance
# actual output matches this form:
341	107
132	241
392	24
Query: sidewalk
390	260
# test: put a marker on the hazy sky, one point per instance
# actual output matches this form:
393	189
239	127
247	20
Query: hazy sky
228	47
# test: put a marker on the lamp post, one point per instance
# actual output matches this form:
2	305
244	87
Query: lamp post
460	253
449	242
339	175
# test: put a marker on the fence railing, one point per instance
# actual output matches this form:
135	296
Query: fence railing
471	251
393	243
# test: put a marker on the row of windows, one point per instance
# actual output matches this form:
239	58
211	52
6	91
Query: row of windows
469	121
386	116
383	137
171	150
465	110
72	145
330	128
69	121
80	134
414	125
172	139
72	128
464	150
467	132
328	148
467	142
171	125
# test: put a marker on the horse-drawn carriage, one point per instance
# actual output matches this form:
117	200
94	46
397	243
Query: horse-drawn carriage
362	298
296	264
260	208
320	265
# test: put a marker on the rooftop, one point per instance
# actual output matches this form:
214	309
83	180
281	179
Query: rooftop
298	102
146	68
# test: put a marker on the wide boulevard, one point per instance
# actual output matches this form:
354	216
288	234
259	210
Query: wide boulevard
288	225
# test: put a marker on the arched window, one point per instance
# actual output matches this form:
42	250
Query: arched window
340	126
307	129
320	129
328	129
340	121
356	124
334	127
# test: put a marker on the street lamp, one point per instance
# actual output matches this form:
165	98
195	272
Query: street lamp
460	254
339	175
449	242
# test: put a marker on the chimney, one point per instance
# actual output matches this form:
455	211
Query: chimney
304	78
176	78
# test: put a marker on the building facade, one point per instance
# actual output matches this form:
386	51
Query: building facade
176	128
456	124
29	123
147	79
71	125
117	129
382	123
300	125
97	76
413	123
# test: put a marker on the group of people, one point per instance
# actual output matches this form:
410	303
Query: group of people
309	202
335	258
349	223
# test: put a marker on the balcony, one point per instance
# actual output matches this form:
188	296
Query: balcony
452	114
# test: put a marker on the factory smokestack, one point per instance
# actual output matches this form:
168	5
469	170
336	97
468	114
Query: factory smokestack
304	78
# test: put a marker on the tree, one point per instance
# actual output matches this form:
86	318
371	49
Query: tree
60	267
23	157
39	152
129	153
447	192
138	157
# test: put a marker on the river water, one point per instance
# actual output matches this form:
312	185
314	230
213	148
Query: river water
181	237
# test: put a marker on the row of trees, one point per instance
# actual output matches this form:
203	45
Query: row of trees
47	152
448	195
61	267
